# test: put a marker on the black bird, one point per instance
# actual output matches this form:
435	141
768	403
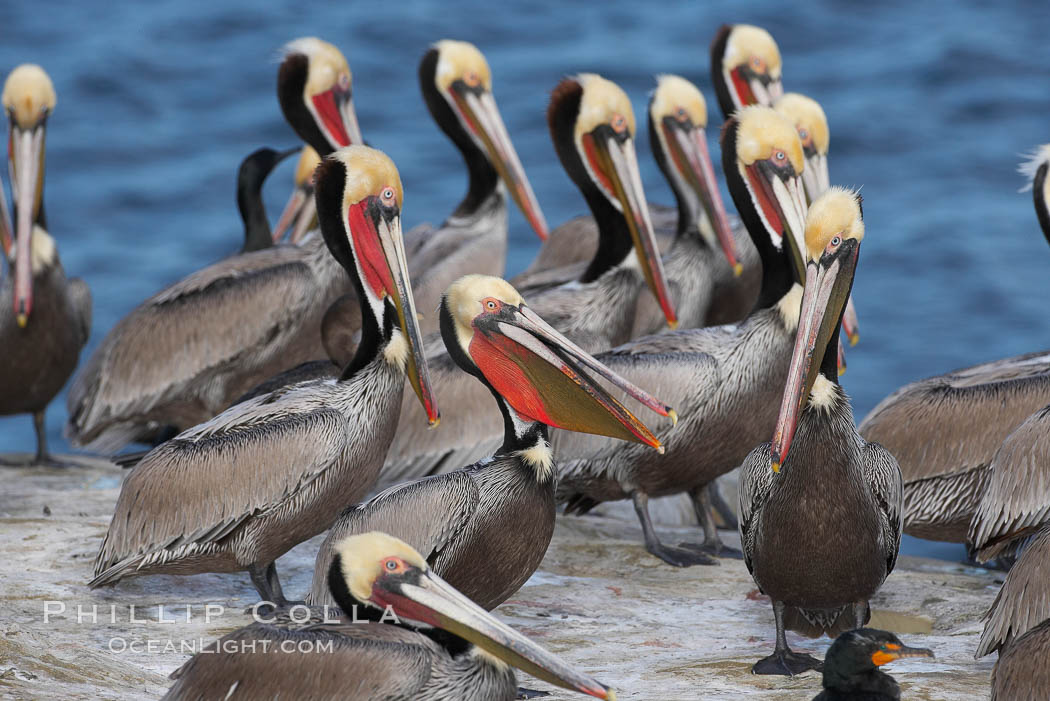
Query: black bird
851	666
251	175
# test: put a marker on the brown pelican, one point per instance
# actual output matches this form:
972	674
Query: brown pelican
183	355
455	651
300	214
693	265
1023	601
45	318
728	377
237	492
745	67
946	430
1021	674
820	509
852	666
592	127
504	503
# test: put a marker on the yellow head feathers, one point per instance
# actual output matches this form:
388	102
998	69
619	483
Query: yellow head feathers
328	66
602	102
808	117
465	300
28	95
366	557
677	97
762	132
754	46
368	172
308	162
460	60
835	213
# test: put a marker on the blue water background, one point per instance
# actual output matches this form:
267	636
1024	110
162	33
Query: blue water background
930	105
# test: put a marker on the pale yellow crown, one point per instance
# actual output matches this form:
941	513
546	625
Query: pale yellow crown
327	65
746	43
363	558
761	132
368	172
465	300
835	213
677	97
28	94
308	162
806	114
461	60
602	102
1030	167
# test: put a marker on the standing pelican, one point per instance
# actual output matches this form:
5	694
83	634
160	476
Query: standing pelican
725	381
592	127
504	503
820	508
457	87
455	651
183	355
300	214
237	492
45	318
946	430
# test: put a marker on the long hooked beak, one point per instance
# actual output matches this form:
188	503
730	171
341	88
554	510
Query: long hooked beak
298	214
553	385
386	265
27	179
828	283
616	162
478	111
690	155
850	324
431	600
782	204
750	88
815	177
334	113
896	652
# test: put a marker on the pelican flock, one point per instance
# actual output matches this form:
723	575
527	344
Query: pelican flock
389	389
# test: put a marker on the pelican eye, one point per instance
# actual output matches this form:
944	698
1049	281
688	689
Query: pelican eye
757	62
803	134
491	304
835	240
344	81
619	124
472	79
681	114
394	564
387	195
779	155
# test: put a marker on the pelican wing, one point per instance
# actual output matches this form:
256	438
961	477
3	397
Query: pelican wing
268	661
427	514
756	482
1024	599
218	321
883	476
957	421
1016	501
191	494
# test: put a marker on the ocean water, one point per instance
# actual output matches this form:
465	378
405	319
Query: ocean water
930	106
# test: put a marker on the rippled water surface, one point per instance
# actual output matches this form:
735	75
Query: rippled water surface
930	105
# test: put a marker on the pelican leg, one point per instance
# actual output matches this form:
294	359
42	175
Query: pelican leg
269	585
712	545
679	557
721	508
783	660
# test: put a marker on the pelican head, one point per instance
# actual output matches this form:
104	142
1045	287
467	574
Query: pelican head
457	87
492	334
677	117
29	99
1035	169
593	128
745	67
834	231
381	571
359	196
763	162
314	90
300	213
808	117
